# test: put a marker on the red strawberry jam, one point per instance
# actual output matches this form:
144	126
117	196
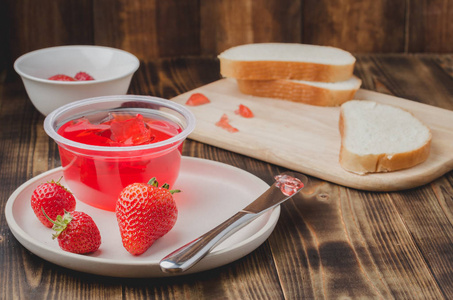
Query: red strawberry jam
89	172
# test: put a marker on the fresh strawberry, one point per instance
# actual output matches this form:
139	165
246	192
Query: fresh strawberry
197	99
244	111
224	123
83	76
145	212
54	198
76	232
61	77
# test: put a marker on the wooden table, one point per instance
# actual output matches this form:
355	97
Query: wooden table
331	242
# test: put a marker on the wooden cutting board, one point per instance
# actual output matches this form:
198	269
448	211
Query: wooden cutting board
306	138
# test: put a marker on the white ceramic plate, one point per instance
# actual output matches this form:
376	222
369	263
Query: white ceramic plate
211	193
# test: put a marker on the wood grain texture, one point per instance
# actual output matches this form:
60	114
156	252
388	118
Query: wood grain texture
356	26
148	29
417	78
330	241
128	26
32	25
430	28
155	29
333	224
225	23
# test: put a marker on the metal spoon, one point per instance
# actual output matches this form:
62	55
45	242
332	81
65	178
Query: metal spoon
285	186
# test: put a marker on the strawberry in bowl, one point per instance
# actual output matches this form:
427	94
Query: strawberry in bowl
56	76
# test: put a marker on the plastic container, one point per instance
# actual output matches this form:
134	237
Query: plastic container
97	174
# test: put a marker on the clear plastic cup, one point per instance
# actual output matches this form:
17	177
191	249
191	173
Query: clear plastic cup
97	174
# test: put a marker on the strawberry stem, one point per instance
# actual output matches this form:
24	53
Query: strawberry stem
154	182
59	184
167	186
60	224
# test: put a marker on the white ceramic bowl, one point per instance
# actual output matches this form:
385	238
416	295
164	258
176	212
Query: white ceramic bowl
111	68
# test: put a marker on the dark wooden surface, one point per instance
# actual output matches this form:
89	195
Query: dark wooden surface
330	241
172	28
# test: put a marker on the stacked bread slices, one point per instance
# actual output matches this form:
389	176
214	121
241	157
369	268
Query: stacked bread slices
374	137
316	75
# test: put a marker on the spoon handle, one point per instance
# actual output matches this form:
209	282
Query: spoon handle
188	255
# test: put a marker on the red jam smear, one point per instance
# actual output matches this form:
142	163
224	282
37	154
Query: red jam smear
224	123
97	177
288	184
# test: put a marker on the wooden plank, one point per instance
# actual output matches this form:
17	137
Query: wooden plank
178	28
445	62
153	29
417	78
170	77
351	245
127	25
428	217
5	58
430	28
149	29
276	21
108	22
226	23
356	26
40	24
390	250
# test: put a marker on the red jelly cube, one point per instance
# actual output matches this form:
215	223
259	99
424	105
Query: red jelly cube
197	99
244	111
83	131
131	131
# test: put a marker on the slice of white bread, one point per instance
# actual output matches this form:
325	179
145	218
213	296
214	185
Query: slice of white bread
380	138
309	92
266	61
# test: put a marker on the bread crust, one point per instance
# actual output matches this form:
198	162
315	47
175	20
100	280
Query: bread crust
382	162
269	70
297	92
